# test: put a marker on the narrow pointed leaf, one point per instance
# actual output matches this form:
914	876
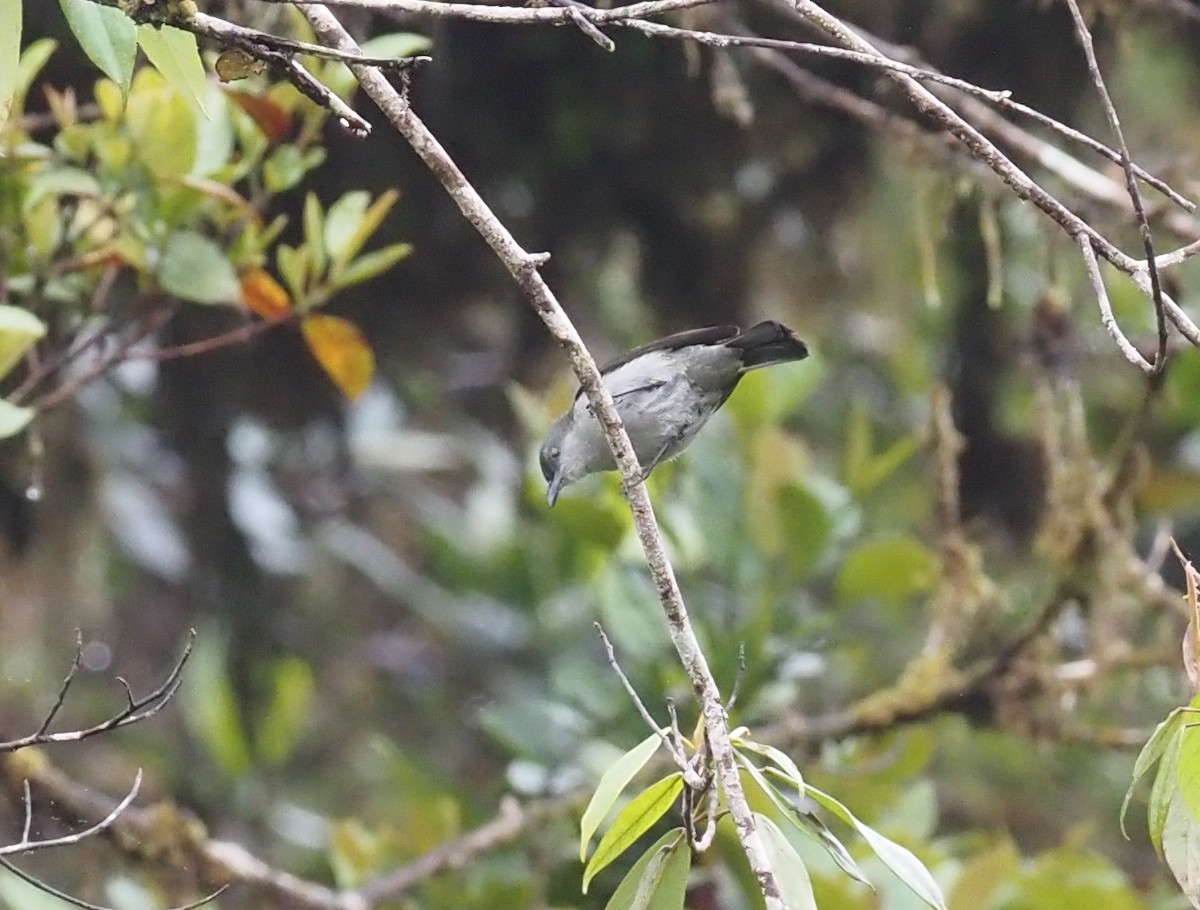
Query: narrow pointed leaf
626	892
810	824
369	265
612	785
1149	756
902	861
633	821
367	225
795	887
780	759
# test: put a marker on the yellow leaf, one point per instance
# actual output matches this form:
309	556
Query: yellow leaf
263	295
341	351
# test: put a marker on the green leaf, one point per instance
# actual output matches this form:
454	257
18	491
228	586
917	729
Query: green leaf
194	268
1155	746
902	861
59	181
786	766
633	821
368	224
293	264
19	331
664	883
791	876
284	168
890	570
33	58
10	54
612	784
1181	849
107	36
175	54
804	821
1187	774
626	894
13	418
1163	792
369	265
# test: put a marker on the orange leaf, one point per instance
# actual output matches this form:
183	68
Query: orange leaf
341	351
264	295
272	119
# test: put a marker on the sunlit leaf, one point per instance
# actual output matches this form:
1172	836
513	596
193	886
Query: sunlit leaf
13	418
293	264
890	570
612	784
791	876
633	821
342	352
10	54
900	860
107	36
19	331
196	269
626	894
1155	746
175	54
263	295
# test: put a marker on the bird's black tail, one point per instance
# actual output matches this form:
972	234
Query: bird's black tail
768	343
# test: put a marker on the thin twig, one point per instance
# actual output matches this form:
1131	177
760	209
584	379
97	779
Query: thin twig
135	710
25	845
1107	319
1135	196
673	744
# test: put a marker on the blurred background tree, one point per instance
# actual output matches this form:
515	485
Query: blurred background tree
395	633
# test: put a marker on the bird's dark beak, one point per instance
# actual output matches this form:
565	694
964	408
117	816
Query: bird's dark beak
555	485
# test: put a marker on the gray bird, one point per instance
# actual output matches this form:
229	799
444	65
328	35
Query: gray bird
665	391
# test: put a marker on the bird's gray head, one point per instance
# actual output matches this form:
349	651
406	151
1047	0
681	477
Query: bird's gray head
558	467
